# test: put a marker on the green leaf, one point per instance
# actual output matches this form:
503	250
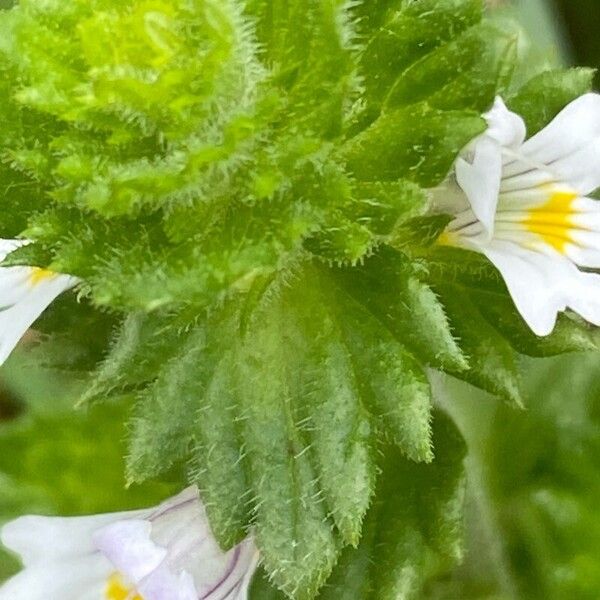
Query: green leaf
160	436
544	96
418	233
409	34
278	401
61	339
139	348
310	44
227	179
414	525
482	283
412	530
455	265
389	287
393	383
293	532
369	217
195	382
384	205
216	463
417	142
30	255
492	361
465	73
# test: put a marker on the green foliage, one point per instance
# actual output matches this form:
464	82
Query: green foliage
240	188
289	419
412	530
544	96
533	500
490	331
418	141
411	34
463	73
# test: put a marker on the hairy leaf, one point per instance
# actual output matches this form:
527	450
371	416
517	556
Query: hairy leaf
409	34
281	428
544	96
412	529
417	142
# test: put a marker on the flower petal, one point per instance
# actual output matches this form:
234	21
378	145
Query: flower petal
534	282
83	578
480	180
185	498
585	252
172	554
30	300
70	537
163	584
584	296
479	170
581	170
128	546
544	283
505	126
8	246
552	216
218	575
521	177
14	285
569	145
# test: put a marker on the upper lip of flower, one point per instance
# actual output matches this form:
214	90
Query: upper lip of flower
526	209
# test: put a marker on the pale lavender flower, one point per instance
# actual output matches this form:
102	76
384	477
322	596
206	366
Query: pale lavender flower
162	553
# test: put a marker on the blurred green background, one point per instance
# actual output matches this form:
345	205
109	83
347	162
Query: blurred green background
534	476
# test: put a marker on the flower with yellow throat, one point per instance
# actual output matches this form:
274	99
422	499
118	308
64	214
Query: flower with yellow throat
524	204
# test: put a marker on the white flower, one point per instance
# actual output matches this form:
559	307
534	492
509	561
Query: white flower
25	292
163	553
524	206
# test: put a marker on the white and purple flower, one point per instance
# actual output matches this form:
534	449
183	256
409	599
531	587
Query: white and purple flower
162	553
525	206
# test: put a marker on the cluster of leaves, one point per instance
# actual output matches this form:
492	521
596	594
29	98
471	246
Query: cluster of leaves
241	188
411	532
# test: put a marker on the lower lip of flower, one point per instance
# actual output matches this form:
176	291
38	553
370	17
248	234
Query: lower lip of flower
554	221
38	275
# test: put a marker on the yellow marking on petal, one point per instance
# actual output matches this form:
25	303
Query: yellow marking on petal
447	238
554	220
117	590
38	275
